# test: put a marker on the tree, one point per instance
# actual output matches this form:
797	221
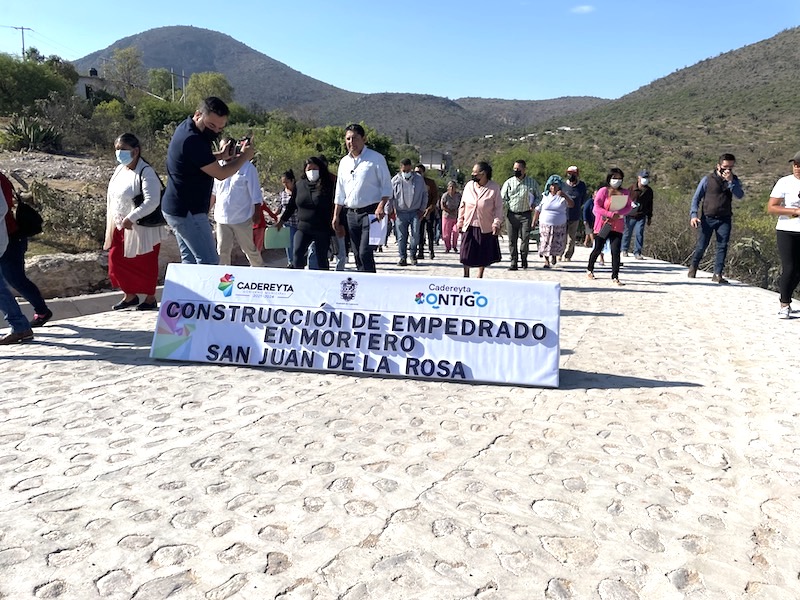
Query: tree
23	82
202	85
160	83
125	71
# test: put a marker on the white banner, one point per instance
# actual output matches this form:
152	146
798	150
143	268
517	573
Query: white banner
432	327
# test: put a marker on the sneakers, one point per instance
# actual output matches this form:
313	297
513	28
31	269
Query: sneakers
19	337
512	267
718	278
414	261
590	275
402	262
784	312
126	303
625	254
40	319
692	272
638	257
617	282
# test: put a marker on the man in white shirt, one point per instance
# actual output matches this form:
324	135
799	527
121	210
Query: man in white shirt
236	202
20	328
363	187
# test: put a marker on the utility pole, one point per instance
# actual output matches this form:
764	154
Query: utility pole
22	30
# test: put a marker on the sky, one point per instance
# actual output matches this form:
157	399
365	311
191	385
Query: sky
512	49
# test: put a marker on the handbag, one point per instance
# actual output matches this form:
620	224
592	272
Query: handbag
155	218
605	230
29	221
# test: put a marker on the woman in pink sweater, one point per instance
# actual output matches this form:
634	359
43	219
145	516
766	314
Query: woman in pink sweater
611	204
480	216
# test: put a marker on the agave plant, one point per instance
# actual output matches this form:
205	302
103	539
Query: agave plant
29	133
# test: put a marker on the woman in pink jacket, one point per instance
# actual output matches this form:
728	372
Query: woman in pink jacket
611	204
480	215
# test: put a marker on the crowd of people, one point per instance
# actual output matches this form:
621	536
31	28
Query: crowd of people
325	213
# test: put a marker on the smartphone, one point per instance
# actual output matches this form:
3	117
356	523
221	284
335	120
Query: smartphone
240	143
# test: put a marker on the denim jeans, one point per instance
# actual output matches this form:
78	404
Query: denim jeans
11	310
721	226
195	238
12	265
407	220
519	228
635	227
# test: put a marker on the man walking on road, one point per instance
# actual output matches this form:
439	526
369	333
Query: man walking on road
716	192
520	194
363	187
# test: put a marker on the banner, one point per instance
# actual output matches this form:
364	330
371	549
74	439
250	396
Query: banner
429	327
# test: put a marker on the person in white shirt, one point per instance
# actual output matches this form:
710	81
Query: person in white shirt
363	187
784	201
236	201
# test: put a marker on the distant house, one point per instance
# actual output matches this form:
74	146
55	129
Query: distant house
436	160
87	85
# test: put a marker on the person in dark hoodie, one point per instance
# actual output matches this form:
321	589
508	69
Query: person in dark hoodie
312	199
641	214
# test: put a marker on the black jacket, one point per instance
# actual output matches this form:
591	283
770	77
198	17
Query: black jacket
314	205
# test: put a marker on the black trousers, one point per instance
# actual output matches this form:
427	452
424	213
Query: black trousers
789	251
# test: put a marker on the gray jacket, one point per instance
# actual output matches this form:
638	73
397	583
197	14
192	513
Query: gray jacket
400	201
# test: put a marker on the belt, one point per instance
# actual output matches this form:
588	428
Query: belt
364	210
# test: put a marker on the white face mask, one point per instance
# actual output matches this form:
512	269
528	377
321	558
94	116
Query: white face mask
645	181
615	183
313	175
407	175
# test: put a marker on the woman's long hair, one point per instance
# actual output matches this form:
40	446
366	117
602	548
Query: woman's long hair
324	175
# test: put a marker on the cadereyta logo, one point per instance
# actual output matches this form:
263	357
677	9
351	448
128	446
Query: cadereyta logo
450	295
348	289
226	284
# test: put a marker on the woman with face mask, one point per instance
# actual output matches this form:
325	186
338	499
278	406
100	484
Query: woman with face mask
132	248
480	216
312	200
611	204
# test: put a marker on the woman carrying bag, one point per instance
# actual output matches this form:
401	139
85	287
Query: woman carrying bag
611	204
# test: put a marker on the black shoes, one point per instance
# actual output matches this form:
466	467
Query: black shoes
16	338
126	304
40	319
148	306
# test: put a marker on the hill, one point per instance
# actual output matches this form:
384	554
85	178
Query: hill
743	101
426	119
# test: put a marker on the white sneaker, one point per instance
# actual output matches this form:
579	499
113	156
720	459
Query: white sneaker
784	312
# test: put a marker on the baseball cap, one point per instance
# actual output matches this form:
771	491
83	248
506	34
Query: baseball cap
795	158
574	168
644	173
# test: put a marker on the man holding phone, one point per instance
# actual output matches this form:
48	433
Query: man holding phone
192	167
716	192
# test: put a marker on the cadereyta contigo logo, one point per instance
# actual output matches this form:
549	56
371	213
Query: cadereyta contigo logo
253	289
450	295
226	284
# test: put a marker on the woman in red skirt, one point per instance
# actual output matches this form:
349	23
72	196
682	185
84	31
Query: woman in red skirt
132	248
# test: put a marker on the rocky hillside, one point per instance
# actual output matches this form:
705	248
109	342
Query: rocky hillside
261	81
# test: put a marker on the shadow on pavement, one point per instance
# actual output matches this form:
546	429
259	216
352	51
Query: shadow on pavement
578	380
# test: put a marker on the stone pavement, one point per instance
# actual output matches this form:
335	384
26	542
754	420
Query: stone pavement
665	466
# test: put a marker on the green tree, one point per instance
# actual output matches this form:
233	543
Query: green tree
203	85
160	83
125	71
24	82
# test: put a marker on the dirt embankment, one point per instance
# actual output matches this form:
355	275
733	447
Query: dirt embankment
73	174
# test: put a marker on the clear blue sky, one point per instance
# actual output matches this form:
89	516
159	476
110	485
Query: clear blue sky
524	49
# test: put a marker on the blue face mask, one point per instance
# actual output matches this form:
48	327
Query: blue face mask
124	157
